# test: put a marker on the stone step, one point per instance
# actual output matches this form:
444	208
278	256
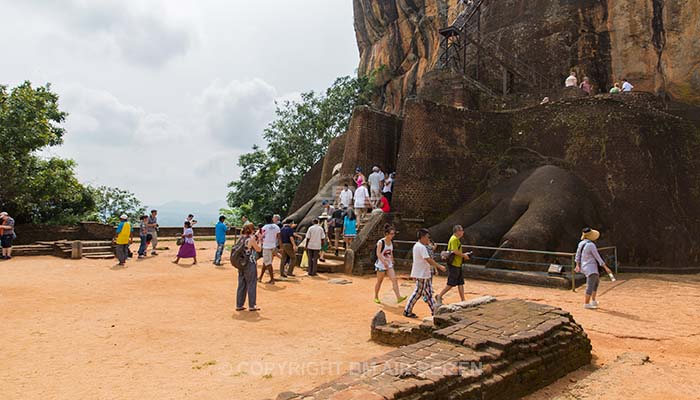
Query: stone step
97	249
332	266
99	256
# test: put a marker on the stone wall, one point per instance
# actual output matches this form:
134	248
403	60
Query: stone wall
499	350
372	138
309	185
32	233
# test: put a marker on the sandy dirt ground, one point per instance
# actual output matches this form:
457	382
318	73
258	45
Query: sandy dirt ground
86	330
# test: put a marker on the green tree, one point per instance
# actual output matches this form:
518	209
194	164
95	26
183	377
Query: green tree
111	203
296	140
32	188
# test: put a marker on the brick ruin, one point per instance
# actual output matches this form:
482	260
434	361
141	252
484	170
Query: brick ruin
483	349
533	177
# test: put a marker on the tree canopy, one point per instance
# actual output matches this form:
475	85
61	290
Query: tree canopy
296	140
32	188
111	203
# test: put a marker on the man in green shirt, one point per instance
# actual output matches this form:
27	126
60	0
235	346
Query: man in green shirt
455	274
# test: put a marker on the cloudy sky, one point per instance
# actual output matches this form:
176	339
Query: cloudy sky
164	95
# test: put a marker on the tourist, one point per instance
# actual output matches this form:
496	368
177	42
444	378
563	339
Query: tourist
143	235
455	273
7	235
384	204
349	227
586	86
345	197
153	231
385	264
244	221
338	224
422	274
247	286
626	86
315	238
187	249
362	201
325	219
615	89
388	187
270	234
191	220
587	261
289	250
123	239
220	231
359	177
376	179
571	81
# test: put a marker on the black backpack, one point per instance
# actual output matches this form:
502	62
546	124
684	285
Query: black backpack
374	257
239	254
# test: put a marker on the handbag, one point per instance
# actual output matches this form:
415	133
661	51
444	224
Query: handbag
180	241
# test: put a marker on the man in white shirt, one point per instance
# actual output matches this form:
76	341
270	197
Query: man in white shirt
571	81
361	198
375	179
345	198
626	86
270	239
421	272
315	237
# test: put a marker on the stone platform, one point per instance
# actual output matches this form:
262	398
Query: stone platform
481	350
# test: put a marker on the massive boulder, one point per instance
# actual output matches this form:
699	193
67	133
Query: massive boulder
652	43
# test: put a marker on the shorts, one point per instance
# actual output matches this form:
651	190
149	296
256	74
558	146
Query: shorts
6	241
379	267
455	276
267	256
592	282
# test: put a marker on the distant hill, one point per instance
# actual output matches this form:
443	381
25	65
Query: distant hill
174	213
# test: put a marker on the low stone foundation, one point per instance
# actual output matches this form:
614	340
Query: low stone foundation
483	350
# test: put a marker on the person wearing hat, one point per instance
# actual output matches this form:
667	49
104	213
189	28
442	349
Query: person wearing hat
359	177
123	239
587	261
7	235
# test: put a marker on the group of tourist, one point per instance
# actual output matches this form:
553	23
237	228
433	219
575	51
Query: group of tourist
587	87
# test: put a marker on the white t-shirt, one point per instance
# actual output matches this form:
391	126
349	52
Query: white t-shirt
315	236
627	87
375	179
270	232
387	185
386	253
346	198
361	196
421	268
571	81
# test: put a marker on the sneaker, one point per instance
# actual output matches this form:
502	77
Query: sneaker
401	299
153	253
142	257
409	315
377	301
594	303
3	258
590	306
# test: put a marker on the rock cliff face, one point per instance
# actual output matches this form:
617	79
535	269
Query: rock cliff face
650	42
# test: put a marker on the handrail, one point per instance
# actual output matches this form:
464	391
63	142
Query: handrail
551	253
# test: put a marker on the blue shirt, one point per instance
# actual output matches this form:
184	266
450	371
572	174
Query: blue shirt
350	226
221	229
286	234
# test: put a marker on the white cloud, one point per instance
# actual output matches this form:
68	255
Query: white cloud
146	37
236	113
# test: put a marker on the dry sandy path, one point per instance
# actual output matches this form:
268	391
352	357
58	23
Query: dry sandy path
83	330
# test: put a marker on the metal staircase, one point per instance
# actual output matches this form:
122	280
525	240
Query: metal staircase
465	31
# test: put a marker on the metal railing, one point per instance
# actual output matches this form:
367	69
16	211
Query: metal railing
571	256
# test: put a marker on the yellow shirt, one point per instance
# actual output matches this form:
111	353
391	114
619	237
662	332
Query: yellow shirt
455	244
125	234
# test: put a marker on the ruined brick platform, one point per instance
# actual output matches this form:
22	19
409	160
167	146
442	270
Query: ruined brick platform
498	350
